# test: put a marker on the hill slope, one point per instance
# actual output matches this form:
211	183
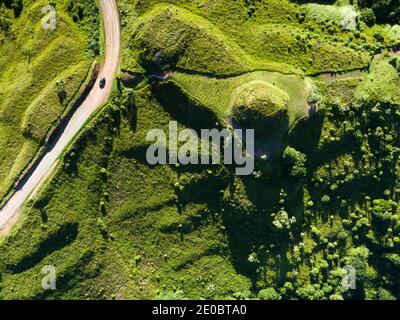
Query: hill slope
41	73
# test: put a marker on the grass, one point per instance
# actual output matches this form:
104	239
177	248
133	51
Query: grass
43	112
187	41
340	87
32	62
261	106
271	39
219	93
382	84
140	231
323	13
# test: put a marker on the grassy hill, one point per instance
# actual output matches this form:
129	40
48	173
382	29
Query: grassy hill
219	92
277	37
41	72
116	227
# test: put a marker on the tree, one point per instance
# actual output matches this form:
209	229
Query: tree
15	5
61	91
368	16
379	36
5	19
358	259
383	294
393	261
386	11
294	163
282	221
382	211
269	294
326	199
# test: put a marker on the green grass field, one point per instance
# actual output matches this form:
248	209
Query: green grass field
219	93
383	82
41	72
279	43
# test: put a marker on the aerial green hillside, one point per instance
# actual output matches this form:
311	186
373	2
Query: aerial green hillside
320	81
41	73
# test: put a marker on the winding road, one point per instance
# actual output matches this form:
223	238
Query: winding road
97	97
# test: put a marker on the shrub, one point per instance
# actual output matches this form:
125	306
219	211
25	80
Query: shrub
269	294
326	199
382	211
294	162
368	16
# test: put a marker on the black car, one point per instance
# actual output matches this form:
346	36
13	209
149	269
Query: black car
102	83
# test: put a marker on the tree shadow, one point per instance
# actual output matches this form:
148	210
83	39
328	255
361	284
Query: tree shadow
63	237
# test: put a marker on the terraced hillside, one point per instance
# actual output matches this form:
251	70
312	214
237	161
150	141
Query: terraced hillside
325	190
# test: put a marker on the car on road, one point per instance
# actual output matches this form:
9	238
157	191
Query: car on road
102	83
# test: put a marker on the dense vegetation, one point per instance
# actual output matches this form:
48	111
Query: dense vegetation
324	194
381	11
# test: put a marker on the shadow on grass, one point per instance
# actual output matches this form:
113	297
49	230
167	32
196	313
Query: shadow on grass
85	268
54	242
184	108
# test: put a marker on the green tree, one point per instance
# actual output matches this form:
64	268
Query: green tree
382	211
269	294
294	163
368	16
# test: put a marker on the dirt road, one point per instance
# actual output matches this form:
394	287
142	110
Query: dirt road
9	213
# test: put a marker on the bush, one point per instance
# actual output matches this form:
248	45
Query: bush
326	199
368	16
294	162
382	211
269	294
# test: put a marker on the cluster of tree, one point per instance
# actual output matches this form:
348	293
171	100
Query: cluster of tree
294	163
355	195
251	7
5	19
15	5
7	7
373	129
364	188
382	11
87	14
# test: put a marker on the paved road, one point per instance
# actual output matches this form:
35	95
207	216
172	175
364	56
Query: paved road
97	97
